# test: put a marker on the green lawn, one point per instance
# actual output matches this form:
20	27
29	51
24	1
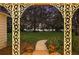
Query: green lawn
75	44
9	39
33	37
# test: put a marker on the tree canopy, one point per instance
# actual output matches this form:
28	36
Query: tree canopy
42	17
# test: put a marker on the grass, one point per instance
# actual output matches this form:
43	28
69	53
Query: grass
33	37
75	44
9	39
